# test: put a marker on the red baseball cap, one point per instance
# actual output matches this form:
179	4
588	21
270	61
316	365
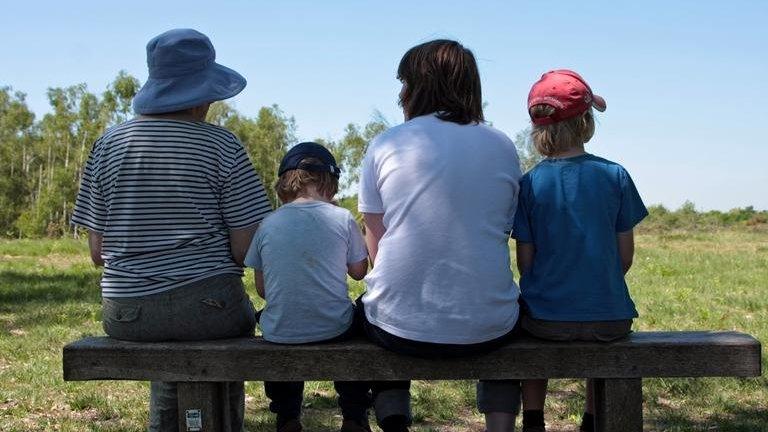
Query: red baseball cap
565	91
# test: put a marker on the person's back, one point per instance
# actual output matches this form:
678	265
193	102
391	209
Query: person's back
167	192
301	256
303	249
170	204
438	194
573	232
450	192
572	209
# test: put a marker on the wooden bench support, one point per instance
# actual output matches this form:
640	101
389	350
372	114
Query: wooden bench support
203	407
618	405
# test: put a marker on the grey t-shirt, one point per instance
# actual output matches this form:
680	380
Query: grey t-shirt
303	249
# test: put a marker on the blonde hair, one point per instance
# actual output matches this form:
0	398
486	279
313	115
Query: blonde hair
558	137
294	183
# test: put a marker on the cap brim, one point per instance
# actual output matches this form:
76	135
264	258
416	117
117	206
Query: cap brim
162	95
598	103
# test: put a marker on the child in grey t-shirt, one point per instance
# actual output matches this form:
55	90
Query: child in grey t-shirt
301	255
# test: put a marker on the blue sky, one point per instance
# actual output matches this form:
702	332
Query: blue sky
686	81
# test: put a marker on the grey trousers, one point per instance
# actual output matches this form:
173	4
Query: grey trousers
212	308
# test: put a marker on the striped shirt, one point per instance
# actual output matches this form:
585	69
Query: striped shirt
164	194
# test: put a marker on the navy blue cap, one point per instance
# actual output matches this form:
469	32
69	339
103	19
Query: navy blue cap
292	159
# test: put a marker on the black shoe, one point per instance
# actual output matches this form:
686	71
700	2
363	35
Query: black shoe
288	425
394	423
587	423
349	425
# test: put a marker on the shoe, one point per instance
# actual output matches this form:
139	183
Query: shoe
290	425
394	423
534	429
349	425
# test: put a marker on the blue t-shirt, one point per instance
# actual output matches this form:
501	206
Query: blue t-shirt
571	210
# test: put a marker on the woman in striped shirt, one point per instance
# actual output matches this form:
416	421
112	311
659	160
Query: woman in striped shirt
170	204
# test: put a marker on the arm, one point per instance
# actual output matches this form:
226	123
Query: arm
525	253
374	231
358	270
626	242
95	240
258	279
239	241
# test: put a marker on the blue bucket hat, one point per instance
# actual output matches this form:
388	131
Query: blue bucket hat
183	74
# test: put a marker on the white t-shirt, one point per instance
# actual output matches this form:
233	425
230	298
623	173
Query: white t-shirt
303	248
448	193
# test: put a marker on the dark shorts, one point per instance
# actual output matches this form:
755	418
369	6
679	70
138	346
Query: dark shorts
588	331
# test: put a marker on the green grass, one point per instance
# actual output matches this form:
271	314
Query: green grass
685	280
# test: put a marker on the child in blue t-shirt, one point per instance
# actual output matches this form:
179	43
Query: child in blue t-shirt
573	231
301	255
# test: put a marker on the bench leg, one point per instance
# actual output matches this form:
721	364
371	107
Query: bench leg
203	407
618	405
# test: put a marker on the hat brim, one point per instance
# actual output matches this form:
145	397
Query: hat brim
164	95
598	103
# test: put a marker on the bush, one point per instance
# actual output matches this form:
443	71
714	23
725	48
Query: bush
688	218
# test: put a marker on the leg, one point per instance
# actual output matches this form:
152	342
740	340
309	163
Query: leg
618	405
286	398
534	396
235	396
499	400
163	407
354	399
392	403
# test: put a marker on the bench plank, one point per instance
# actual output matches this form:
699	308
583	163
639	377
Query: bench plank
642	354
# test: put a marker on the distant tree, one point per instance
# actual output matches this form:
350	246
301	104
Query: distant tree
526	151
349	151
17	136
116	100
265	137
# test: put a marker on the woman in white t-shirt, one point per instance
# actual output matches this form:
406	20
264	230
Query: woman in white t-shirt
438	195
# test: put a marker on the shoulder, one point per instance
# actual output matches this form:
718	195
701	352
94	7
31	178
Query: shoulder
610	168
219	131
397	133
605	163
335	212
494	133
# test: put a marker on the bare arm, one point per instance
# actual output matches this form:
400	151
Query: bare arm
258	279
94	244
374	231
239	241
358	270
626	242
524	253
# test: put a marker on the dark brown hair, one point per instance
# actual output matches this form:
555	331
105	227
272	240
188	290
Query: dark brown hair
441	76
293	183
562	136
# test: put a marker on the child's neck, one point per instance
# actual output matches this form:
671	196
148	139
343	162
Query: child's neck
311	194
571	152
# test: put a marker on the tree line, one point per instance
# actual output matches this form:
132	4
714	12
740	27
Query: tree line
42	159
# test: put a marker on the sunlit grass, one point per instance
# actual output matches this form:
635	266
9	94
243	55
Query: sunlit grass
49	296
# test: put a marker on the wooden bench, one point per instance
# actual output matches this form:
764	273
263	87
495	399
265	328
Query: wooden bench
618	367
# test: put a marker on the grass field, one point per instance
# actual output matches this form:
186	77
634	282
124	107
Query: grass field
684	280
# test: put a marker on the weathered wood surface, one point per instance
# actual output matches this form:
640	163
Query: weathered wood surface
643	354
202	402
618	405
